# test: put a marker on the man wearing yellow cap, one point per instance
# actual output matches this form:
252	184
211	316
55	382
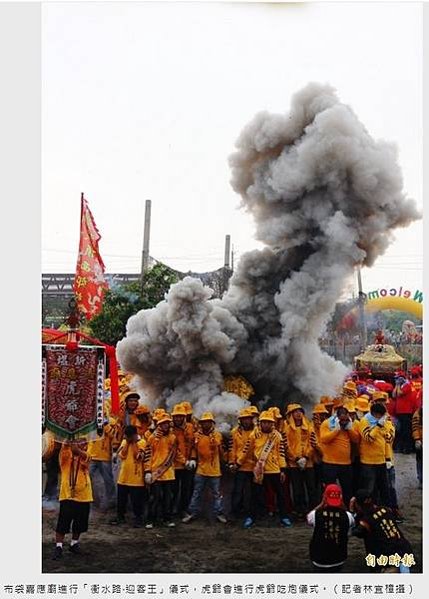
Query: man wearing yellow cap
337	436
160	455
183	465
208	453
301	445
265	446
243	480
374	436
131	477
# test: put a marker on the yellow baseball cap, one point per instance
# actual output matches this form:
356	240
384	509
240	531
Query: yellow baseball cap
157	413
266	415
207	416
245	413
188	407
163	418
338	402
320	409
179	410
362	404
275	412
350	406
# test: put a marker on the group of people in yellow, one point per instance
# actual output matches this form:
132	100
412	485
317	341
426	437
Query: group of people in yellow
280	462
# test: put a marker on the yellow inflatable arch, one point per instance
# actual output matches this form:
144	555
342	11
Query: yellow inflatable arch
402	304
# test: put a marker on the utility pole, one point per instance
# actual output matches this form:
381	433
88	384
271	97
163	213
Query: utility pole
232	258
361	300
146	239
226	266
227	250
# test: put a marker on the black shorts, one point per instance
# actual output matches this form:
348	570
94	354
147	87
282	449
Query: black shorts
75	513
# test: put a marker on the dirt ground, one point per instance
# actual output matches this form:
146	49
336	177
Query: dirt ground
203	546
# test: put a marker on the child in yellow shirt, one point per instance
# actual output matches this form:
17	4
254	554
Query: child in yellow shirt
75	495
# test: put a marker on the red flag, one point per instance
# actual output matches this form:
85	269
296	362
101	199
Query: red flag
89	283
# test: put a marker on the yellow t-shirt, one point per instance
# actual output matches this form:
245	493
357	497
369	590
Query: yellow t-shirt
185	439
372	446
158	449
100	450
75	479
131	455
336	444
239	438
301	441
208	451
275	461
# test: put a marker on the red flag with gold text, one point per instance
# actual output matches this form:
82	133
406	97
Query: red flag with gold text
89	283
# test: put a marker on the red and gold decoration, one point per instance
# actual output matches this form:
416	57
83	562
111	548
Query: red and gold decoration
73	390
239	385
71	342
89	284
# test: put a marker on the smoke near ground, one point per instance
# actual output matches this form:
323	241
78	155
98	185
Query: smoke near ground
325	198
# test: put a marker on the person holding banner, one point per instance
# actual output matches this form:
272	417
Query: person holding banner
75	495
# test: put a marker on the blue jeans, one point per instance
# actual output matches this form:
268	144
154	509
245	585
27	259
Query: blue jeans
200	483
105	470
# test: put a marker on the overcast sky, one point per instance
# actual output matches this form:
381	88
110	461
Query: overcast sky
145	101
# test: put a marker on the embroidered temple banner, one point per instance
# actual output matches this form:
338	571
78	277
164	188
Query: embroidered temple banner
73	390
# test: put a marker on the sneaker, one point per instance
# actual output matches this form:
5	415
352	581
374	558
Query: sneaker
221	518
149	525
248	523
75	549
170	524
58	553
286	522
119	520
188	518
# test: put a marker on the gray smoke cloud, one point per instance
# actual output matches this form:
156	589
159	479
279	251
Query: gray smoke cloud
325	198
